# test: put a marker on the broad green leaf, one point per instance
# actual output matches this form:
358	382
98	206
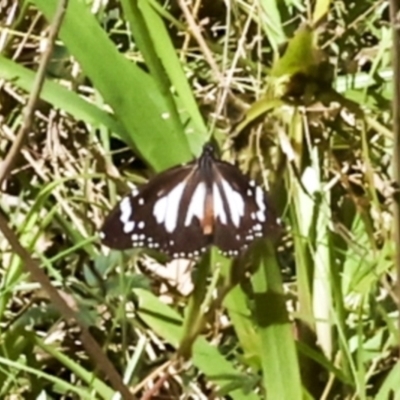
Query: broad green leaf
280	367
299	57
162	58
131	93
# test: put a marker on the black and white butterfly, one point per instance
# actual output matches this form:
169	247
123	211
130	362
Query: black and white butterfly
184	209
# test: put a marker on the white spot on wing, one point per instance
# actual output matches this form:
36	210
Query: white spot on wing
166	208
196	206
235	202
126	210
260	198
261	204
218	205
261	216
257	227
174	199
128	227
160	209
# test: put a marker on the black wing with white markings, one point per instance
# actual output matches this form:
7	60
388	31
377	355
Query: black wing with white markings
150	217
242	213
183	210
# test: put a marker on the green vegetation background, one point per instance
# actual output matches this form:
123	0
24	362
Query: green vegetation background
298	94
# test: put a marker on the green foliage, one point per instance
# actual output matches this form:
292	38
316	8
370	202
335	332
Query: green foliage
137	86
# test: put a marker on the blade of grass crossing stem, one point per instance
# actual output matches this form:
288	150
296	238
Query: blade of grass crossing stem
89	377
280	367
62	385
127	89
29	231
60	97
167	323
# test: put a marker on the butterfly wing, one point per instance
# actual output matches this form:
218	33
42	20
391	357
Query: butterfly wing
165	214
241	210
184	209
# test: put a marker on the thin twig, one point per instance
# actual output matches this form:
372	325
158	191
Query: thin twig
395	19
218	75
29	110
153	392
195	30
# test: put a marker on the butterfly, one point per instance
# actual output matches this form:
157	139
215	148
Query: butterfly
187	208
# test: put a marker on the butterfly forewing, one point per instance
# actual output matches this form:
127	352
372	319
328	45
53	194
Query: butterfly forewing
162	215
241	210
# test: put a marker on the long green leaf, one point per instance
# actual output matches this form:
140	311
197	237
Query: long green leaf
60	97
131	93
280	365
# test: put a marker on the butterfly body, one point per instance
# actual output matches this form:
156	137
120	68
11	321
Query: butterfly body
184	209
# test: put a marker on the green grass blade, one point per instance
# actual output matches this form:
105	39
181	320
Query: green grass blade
279	361
60	97
132	94
168	324
157	48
